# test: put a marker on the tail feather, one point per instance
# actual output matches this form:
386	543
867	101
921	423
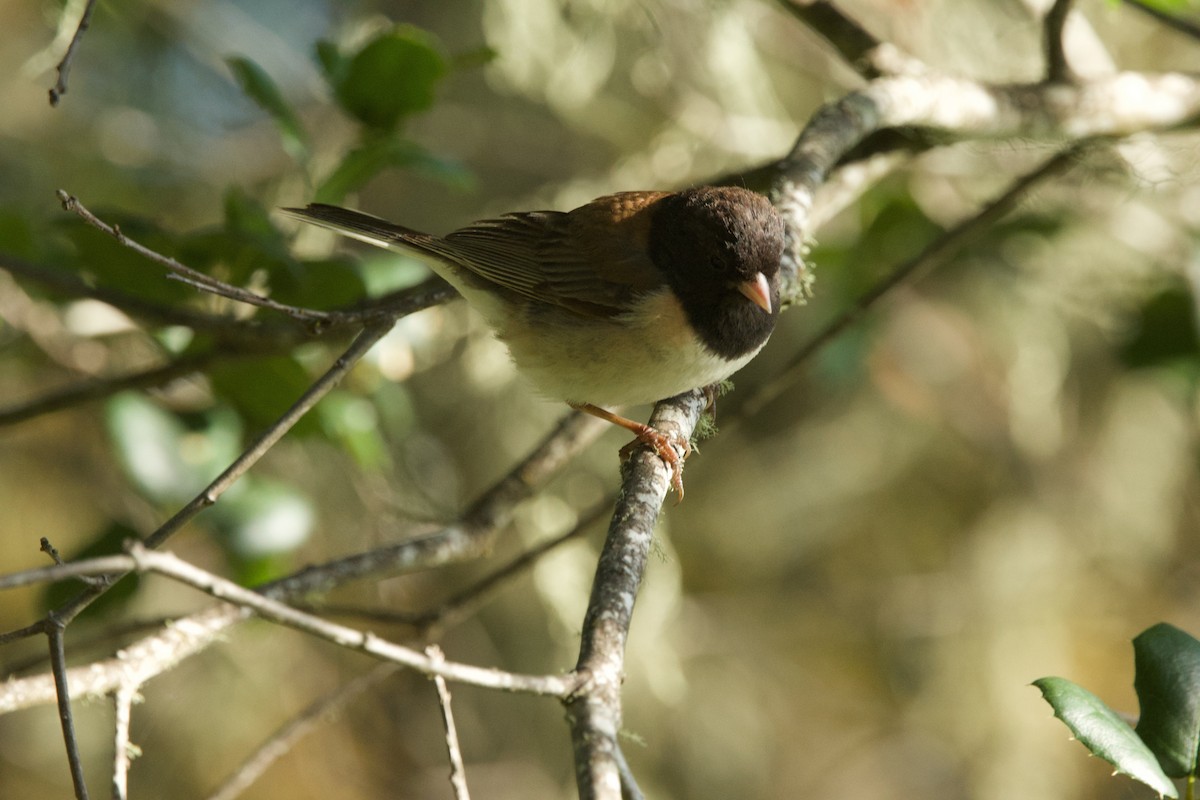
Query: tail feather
370	229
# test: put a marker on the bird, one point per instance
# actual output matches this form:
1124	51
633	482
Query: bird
631	298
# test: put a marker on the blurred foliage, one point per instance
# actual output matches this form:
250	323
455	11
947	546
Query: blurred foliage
992	476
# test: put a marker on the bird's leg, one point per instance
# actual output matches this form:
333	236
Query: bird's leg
664	444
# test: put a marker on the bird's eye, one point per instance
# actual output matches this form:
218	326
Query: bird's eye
716	263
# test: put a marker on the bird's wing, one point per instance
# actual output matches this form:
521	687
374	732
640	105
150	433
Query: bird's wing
593	260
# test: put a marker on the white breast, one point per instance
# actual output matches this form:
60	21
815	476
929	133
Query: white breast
639	358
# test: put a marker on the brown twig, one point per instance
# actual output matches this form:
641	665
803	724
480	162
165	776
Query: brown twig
462	604
64	66
191	276
55	630
851	40
100	388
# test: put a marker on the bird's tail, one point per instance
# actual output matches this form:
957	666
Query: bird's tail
371	230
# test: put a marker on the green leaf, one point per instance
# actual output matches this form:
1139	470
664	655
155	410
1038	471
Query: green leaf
367	161
1104	733
1165	330
1167	681
332	62
16	235
262	389
392	77
259	87
322	284
112	264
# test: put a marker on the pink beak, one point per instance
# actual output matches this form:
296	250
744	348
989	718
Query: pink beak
757	291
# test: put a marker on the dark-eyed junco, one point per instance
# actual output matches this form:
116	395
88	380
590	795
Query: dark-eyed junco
632	298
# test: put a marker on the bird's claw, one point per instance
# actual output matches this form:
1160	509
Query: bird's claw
666	446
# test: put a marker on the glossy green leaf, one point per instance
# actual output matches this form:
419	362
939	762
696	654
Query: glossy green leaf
392	77
260	88
1104	733
1167	681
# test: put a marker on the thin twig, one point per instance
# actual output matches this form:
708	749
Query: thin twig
1054	44
257	449
469	537
463	604
267	608
283	740
101	388
58	665
220	326
191	276
123	749
64	66
458	773
155	654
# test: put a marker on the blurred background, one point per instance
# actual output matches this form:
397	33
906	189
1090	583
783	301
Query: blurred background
991	479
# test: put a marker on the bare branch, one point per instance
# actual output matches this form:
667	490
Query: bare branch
123	750
464	603
58	666
160	652
64	66
250	456
100	388
190	276
472	535
458	773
